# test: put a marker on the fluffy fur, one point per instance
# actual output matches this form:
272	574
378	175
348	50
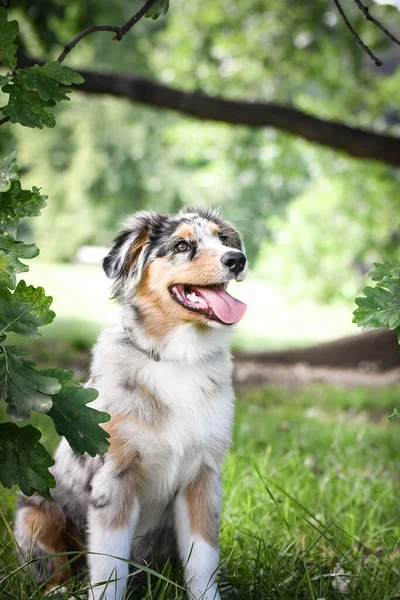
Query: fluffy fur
164	375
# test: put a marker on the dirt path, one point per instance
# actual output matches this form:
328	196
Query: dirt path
370	359
378	347
249	374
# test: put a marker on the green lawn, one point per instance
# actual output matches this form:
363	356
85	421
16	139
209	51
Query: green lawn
311	500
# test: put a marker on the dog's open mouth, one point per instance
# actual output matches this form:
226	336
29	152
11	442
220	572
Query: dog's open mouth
212	301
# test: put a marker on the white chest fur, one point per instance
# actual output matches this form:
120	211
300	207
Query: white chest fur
176	415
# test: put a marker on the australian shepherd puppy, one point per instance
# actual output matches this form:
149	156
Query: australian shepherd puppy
164	376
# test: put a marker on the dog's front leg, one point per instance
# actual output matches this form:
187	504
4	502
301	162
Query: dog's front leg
197	509
112	518
111	542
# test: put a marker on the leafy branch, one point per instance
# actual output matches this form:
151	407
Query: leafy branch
33	90
23	387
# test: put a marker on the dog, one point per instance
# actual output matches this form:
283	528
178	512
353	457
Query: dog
164	376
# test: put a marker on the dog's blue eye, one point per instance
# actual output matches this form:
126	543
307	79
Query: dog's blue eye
181	247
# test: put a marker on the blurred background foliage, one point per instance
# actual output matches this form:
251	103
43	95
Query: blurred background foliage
313	219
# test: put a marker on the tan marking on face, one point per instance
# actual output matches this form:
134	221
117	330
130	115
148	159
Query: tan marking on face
159	312
136	248
204	269
184	231
202	504
214	228
48	528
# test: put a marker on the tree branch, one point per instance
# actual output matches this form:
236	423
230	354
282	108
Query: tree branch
365	10
4	120
354	33
119	31
357	142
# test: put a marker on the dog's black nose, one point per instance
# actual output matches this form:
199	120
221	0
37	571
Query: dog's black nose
234	260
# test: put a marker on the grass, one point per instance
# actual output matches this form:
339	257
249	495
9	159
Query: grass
311	501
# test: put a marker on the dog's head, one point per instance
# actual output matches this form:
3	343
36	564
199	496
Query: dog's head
177	267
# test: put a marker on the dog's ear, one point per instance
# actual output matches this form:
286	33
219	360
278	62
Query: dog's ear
126	255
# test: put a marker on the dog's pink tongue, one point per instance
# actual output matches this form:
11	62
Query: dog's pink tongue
227	308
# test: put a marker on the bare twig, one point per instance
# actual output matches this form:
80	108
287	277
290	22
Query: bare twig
365	10
119	31
4	120
354	33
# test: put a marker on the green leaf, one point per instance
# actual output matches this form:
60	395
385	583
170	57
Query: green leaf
16	203
24	310
23	387
10	253
46	80
159	9
63	75
24	461
4	79
78	423
388	269
7	276
8	32
35	89
9	171
394	415
25	106
380	306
